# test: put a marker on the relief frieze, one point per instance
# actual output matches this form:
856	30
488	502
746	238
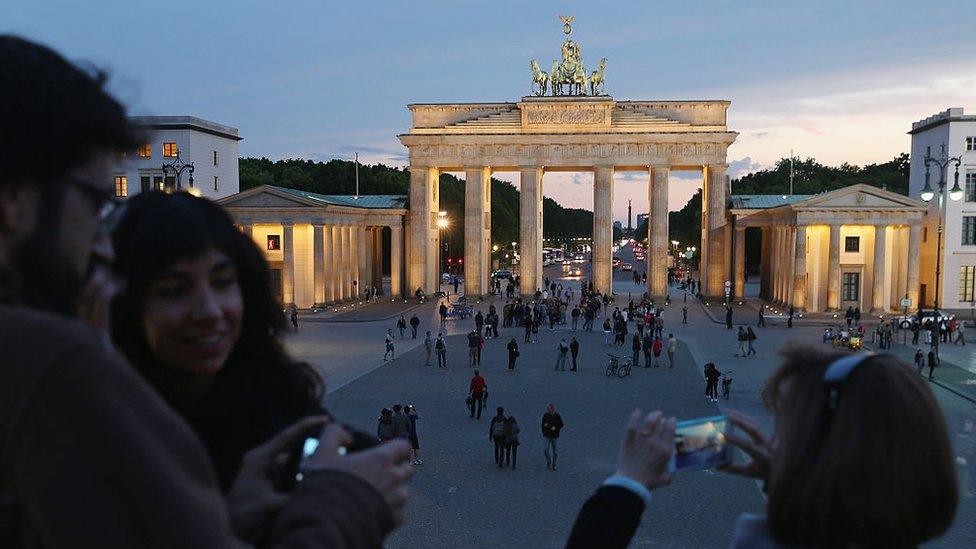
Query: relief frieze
565	115
572	150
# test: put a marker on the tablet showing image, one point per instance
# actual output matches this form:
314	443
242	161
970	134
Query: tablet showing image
700	444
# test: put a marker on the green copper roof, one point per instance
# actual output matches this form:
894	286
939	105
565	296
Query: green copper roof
764	201
369	201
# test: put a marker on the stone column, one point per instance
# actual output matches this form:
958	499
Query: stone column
657	233
377	258
362	274
833	270
477	230
338	279
288	267
530	230
878	296
714	276
347	254
788	261
914	244
740	261
800	269
328	255
396	260
603	229
764	265
423	255
318	262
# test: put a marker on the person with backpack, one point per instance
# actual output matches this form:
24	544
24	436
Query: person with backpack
414	324
552	424
512	441
441	348
497	433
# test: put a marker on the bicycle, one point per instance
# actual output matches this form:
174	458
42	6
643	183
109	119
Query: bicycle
621	370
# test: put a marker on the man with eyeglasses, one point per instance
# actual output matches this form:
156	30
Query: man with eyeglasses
90	454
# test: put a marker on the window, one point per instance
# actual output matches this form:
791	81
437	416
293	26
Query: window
969	230
851	287
215	183
215	158
145	151
971	143
157	182
169	150
852	243
274	242
144	183
967	276
121	186
970	186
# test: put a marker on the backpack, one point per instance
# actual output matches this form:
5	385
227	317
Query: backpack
500	428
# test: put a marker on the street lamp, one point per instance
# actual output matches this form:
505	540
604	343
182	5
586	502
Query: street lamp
442	223
927	194
177	166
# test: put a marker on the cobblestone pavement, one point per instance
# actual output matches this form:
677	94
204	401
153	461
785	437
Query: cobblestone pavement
461	499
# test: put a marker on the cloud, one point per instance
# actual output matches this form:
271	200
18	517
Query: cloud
743	166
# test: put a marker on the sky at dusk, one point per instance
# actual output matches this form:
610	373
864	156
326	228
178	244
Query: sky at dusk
836	81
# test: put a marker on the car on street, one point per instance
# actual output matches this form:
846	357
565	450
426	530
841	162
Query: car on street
575	272
924	317
579	257
615	262
567	262
502	273
626	267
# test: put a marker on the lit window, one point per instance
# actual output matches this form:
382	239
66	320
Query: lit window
145	151
158	183
967	277
215	158
969	230
215	183
851	288
274	242
121	186
971	143
970	186
852	243
169	150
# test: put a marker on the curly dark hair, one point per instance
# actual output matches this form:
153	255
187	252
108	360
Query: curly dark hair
260	389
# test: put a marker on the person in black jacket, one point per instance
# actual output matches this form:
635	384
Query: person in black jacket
513	353
498	434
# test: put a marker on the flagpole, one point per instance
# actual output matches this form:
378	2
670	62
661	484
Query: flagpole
791	172
357	175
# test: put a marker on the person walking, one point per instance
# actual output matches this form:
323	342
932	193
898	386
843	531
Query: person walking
561	357
741	338
635	346
915	329
960	332
672	347
762	317
684	314
498	433
293	314
527	324
712	375
441	349
401	325
479	322
414	324
512	441
481	345
513	353
789	317
442	310
384	428
575	314
657	346
919	361
390	338
728	318
750	337
413	416
476	393
474	340
428	348
933	362
606	331
552	424
401	425
574	347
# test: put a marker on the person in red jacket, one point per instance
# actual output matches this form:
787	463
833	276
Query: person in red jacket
658	345
476	393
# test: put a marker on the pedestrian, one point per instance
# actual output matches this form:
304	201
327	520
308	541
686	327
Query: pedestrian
961	332
384	429
512	441
455	282
672	347
684	314
919	361
414	324
476	393
712	376
635	346
474	340
413	416
442	310
574	351
728	318
479	321
441	348
552	424
789	317
561	356
575	314
497	433
762	316
293	313
527	324
389	346
648	347
401	325
750	337
606	331
513	353
933	362
481	345
741	337
849	316
428	348
915	329
401	425
657	346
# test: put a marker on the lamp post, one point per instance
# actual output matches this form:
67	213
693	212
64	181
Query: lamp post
177	167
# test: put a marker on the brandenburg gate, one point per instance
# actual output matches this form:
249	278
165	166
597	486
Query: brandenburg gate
565	133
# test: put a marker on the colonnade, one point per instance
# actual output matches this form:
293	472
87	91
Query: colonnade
423	256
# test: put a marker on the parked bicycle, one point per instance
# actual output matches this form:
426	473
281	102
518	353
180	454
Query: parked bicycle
615	367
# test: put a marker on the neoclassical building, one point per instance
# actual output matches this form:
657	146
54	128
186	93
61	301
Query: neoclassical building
323	249
856	246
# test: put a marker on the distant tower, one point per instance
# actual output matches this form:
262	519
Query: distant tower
629	228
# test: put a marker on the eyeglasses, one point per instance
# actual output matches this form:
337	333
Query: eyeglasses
108	207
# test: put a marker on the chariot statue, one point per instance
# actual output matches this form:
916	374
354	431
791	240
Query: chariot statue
568	75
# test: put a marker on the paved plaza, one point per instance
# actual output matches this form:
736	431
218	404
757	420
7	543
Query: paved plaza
460	498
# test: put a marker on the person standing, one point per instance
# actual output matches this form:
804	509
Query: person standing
648	346
684	314
552	424
441	348
455	282
428	348
481	345
919	361
414	324
672	347
606	331
527	324
401	425
479	322
476	393
712	375
657	346
575	314
933	362
390	338
474	340
513	353
728	318
961	332
789	317
442	310
762	316
561	357
915	329
401	325
635	346
293	313
741	338
574	352
750	337
384	429
498	433
413	416
512	441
